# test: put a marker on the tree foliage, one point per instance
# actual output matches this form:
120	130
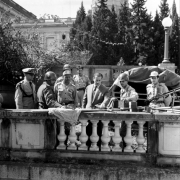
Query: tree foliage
131	33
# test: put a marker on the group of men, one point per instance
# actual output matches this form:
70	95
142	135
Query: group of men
65	92
77	91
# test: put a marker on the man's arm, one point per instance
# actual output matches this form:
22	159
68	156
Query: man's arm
133	96
106	100
168	98
18	98
49	97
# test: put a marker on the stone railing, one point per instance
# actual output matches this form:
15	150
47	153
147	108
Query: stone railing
36	134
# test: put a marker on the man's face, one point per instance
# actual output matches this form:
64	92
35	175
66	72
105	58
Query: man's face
154	79
97	80
123	83
80	71
67	78
29	76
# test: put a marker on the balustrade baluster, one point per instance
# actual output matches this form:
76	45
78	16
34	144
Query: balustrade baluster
94	137
61	136
72	138
105	137
128	138
117	138
140	138
83	137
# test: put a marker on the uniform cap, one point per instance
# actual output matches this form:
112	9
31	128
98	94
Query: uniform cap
66	72
29	70
66	67
154	73
123	77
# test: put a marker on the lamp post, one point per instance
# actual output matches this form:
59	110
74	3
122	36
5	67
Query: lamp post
166	22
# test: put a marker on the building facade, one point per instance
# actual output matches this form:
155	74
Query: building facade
54	33
11	10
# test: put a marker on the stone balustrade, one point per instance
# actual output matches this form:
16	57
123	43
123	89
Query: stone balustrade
99	136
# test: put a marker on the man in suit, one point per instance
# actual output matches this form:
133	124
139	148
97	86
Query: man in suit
96	95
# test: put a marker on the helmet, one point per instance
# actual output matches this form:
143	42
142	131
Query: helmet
154	73
66	66
49	75
66	72
124	77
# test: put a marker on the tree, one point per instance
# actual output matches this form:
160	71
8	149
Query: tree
174	37
164	9
157	41
142	22
104	34
125	33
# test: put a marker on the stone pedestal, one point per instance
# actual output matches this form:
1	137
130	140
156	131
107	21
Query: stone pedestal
169	66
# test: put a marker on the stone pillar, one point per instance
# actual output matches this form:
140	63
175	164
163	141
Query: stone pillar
128	138
61	136
72	138
140	138
169	66
105	137
83	137
117	138
94	137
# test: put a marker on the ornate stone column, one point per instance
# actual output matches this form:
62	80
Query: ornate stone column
117	138
140	138
72	138
105	137
61	136
128	138
83	137
94	137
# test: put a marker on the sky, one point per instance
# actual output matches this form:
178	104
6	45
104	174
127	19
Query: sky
69	8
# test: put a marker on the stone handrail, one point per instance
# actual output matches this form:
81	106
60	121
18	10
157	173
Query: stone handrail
37	130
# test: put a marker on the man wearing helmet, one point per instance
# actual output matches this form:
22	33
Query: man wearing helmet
66	91
156	88
46	96
81	81
60	79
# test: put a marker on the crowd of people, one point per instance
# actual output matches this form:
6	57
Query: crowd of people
70	91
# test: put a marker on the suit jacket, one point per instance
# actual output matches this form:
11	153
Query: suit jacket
101	97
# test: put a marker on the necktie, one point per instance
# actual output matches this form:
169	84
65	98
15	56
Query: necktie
94	91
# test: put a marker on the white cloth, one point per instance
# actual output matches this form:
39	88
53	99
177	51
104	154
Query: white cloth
66	115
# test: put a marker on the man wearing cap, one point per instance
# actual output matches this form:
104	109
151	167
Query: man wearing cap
25	94
156	88
66	91
81	81
96	95
46	96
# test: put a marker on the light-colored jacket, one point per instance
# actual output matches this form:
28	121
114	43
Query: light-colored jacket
160	88
25	95
128	94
